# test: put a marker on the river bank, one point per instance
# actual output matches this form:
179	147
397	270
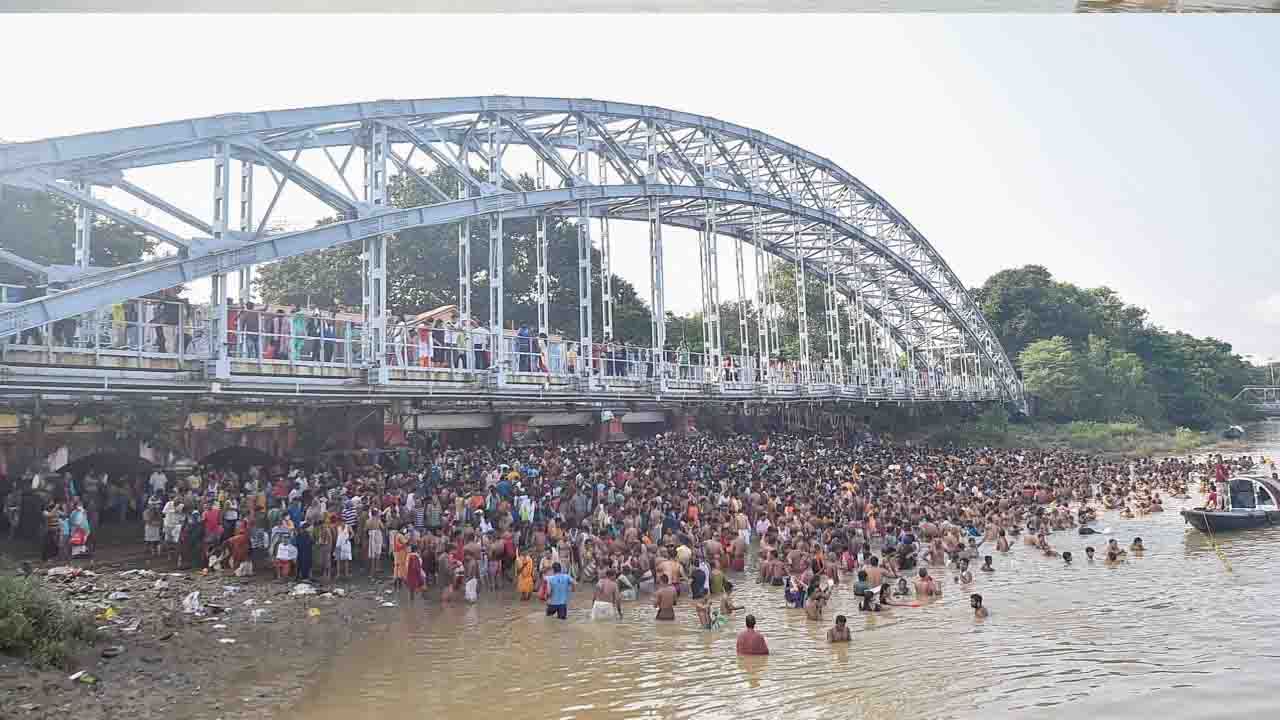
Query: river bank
152	658
1109	439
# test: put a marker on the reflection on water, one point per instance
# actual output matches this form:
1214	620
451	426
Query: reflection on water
1171	632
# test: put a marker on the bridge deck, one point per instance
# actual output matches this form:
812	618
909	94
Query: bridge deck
48	368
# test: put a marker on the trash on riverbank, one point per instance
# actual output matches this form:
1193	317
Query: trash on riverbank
191	603
227	641
302	589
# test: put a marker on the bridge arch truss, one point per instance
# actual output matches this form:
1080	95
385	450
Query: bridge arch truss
778	204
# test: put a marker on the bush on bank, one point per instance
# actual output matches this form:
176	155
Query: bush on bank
36	626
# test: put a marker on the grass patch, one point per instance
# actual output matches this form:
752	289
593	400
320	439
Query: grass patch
1110	438
36	626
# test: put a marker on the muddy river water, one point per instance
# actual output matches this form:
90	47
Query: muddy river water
1175	633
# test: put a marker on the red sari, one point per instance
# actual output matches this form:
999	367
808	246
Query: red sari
413	572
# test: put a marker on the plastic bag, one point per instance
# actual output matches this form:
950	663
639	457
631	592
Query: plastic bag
191	603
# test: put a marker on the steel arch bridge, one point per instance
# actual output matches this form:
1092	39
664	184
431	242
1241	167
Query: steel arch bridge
905	312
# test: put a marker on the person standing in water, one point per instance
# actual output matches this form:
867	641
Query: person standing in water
975	600
750	641
559	585
839	632
607	599
414	576
524	576
664	599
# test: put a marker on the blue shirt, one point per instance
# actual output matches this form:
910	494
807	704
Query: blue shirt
560	585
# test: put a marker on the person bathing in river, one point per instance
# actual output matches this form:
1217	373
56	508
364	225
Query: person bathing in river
979	611
727	608
664	599
986	565
926	586
607	599
839	633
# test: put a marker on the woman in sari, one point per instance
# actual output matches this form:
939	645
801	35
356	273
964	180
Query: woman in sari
80	529
414	577
524	576
400	550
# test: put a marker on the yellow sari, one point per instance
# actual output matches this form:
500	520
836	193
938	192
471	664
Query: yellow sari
524	574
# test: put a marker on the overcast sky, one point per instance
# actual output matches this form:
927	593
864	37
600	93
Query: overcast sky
1138	152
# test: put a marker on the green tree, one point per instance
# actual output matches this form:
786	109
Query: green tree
41	227
1053	372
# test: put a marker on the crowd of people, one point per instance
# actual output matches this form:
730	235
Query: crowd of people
666	518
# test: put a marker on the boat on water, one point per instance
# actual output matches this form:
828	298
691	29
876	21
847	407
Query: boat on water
1251	502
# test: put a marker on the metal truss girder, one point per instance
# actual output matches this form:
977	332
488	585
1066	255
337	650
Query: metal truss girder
549	156
417	177
121	216
616	156
82	155
322	190
441	156
162	204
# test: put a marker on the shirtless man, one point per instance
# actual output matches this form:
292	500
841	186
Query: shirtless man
965	576
875	573
472	555
497	552
742	526
671	569
839	632
738	551
986	565
607	597
926	586
713	550
664	599
979	612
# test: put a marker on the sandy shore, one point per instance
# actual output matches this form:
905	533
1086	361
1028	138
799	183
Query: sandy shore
175	664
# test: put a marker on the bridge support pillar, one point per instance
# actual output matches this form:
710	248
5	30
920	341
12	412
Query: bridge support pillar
245	278
584	284
497	260
219	367
374	261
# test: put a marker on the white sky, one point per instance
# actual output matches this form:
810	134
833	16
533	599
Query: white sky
1137	152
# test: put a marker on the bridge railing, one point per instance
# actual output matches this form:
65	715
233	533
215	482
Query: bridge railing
172	334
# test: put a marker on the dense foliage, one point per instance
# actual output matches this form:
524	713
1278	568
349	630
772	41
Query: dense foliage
41	227
1086	355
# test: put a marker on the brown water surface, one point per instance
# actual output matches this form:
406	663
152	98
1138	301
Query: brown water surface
1173	633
